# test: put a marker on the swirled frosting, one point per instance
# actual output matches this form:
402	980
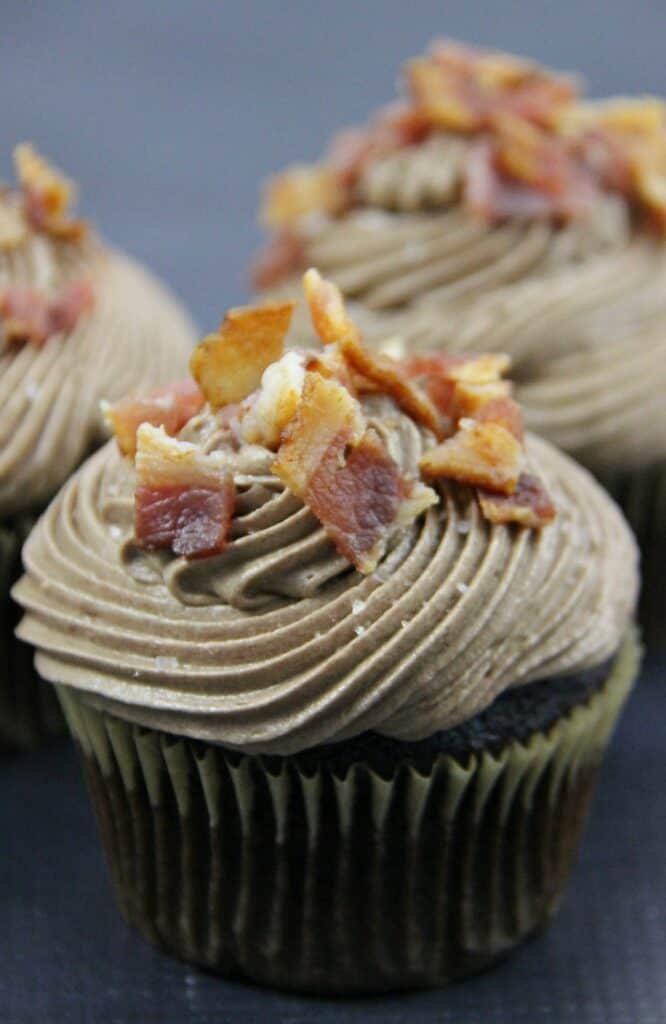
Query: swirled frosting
278	643
135	336
581	307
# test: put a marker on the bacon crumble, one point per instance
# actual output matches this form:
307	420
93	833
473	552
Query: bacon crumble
170	407
47	196
528	505
28	316
228	365
184	499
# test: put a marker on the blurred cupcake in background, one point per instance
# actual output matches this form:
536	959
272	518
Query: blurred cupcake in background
79	322
493	209
342	649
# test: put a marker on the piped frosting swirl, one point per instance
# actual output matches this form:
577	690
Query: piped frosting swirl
135	335
277	643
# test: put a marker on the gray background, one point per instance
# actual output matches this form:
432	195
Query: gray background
169	114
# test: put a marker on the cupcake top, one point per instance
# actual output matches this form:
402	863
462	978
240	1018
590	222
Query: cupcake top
296	547
78	321
494	208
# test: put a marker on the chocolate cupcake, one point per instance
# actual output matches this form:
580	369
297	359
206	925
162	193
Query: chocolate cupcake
341	658
78	322
494	210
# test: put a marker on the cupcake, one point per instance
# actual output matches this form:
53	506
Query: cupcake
493	208
78	322
341	656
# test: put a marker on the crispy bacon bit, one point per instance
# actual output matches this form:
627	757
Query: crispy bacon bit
276	402
184	499
170	407
491	408
12	224
300	190
333	325
47	196
28	316
461	88
344	474
624	144
228	365
491	194
529	504
283	254
327	416
479	454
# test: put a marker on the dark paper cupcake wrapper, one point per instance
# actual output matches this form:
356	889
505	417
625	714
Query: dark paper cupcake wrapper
29	710
341	883
642	497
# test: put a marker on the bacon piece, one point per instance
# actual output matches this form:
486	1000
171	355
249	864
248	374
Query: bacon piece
492	408
333	325
479	454
28	316
47	196
298	191
327	416
228	365
276	402
361	497
283	254
12	225
461	88
529	504
343	472
68	307
184	499
25	315
170	407
493	196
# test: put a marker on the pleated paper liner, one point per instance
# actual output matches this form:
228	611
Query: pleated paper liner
29	710
343	882
642	497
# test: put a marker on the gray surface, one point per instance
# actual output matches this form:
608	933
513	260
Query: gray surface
169	113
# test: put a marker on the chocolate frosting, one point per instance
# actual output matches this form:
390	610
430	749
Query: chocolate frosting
278	644
135	337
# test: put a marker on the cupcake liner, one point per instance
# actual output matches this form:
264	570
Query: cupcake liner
342	882
29	710
641	495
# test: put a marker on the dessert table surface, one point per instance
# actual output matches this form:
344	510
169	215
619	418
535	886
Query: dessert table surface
169	115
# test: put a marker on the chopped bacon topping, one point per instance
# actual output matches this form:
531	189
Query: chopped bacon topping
170	407
345	475
184	499
528	505
284	254
334	326
47	196
300	190
521	171
12	224
276	402
461	88
479	454
228	365
28	316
